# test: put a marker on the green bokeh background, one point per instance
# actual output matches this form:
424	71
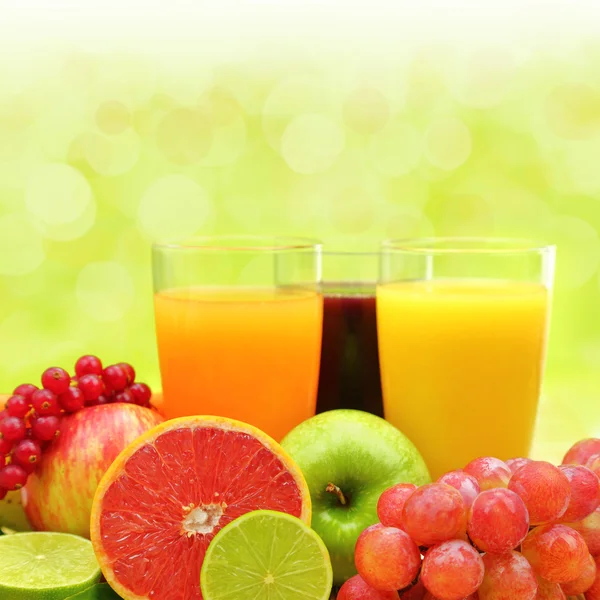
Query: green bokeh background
101	154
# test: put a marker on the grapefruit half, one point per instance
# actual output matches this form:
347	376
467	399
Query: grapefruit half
172	490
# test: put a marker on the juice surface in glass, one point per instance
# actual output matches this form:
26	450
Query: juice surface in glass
349	376
462	363
249	354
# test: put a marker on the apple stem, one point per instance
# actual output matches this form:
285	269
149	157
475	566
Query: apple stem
334	489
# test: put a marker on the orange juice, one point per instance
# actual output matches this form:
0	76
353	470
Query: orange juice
461	364
248	354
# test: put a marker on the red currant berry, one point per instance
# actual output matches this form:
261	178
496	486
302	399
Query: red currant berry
92	387
141	393
27	453
45	428
56	380
45	402
72	400
115	378
17	406
3	493
12	477
25	390
125	396
88	365
3	415
13	429
2	460
129	371
5	445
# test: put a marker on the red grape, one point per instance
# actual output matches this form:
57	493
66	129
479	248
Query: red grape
5	445
391	503
514	464
56	380
581	452
115	378
498	521
585	492
45	402
584	581
129	372
91	386
356	588
125	396
545	490
452	570
141	393
88	364
414	592
589	529
490	472
593	593
549	591
45	428
386	558
507	577
27	453
17	406
12	477
556	552
12	429
434	513
466	484
25	390
72	400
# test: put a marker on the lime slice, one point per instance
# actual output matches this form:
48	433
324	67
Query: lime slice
46	566
266	555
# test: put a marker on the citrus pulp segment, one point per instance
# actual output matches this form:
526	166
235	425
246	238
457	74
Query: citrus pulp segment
166	496
46	566
266	555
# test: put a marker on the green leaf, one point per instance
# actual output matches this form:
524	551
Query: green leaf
100	591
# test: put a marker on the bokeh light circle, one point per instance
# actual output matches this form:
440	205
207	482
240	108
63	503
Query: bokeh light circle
174	207
57	194
311	143
396	149
447	143
184	136
366	110
573	111
21	248
104	291
113	117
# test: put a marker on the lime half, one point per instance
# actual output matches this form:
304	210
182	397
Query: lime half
266	555
46	566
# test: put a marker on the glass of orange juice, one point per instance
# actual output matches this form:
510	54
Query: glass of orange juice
462	335
238	324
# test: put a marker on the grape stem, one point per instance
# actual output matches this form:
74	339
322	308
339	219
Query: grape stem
334	489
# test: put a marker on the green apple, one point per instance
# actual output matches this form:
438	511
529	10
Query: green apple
349	458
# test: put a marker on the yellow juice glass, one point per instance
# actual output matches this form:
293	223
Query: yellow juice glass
238	323
462	329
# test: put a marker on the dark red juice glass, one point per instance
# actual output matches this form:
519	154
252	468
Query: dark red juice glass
349	375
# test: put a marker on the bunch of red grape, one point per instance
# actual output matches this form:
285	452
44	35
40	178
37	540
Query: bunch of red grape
514	530
32	416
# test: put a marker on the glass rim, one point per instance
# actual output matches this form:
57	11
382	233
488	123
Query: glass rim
465	244
241	243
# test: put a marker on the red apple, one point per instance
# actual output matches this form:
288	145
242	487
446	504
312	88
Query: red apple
59	494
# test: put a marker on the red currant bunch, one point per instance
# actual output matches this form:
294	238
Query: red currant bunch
32	416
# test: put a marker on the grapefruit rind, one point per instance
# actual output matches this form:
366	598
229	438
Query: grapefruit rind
117	467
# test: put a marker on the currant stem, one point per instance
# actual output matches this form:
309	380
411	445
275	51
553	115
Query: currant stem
334	489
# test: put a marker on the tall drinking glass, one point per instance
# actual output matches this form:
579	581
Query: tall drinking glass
462	337
239	323
349	376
